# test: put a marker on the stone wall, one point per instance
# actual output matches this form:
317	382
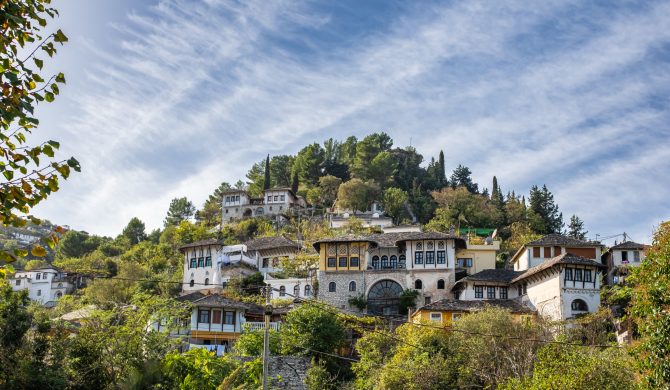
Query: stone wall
286	372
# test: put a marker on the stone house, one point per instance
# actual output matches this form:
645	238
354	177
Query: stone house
275	202
622	256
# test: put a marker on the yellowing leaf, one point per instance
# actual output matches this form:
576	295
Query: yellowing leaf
38	251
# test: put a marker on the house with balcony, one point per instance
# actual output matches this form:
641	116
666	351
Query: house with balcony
216	321
45	285
621	257
552	245
275	203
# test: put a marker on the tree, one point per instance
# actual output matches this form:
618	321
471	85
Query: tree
30	171
394	202
382	169
309	328
280	170
409	167
443	172
210	214
460	208
256	179
650	310
329	187
544	215
134	231
197	369
295	182
308	164
366	151
576	228
76	244
461	178
356	195
267	183
14	323
181	209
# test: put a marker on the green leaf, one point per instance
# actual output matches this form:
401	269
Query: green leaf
60	78
38	62
7	257
54	144
46	149
8	174
74	164
60	37
38	251
20	252
49	96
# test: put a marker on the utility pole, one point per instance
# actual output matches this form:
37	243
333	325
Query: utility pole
266	338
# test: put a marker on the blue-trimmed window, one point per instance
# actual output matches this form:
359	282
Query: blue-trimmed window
503	292
353	262
342	263
332	262
418	257
201	262
193	263
441	257
208	261
430	257
479	291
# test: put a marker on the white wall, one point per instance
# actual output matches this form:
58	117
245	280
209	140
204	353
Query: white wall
617	257
44	290
289	285
545	296
425	247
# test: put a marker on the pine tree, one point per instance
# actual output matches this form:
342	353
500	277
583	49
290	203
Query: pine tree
443	172
576	228
461	178
545	217
267	182
181	209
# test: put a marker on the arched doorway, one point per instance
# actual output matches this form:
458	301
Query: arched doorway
384	298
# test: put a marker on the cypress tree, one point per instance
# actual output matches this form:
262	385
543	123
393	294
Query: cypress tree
295	182
266	182
443	174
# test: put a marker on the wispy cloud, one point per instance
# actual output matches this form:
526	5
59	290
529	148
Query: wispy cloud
561	93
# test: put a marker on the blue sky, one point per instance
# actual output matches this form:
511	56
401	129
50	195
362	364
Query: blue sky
170	98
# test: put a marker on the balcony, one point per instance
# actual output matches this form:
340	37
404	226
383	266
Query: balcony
256	326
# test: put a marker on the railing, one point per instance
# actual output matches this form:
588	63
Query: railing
255	326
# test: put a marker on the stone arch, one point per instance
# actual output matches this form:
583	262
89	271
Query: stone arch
384	297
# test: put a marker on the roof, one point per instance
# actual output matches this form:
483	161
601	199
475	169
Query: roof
387	240
220	300
344	238
566	258
492	275
211	241
629	245
44	267
556	239
79	314
259	244
477	305
194	296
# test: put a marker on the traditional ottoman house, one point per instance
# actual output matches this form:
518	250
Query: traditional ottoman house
45	285
537	252
275	202
622	256
446	311
268	252
379	267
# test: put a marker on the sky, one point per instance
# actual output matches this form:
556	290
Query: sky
169	98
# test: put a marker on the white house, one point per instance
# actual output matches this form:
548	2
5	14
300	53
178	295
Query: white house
268	252
537	252
45	285
275	202
620	257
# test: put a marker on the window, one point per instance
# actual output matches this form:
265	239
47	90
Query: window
39	276
193	263
578	275
59	294
568	274
18	282
352	286
479	292
464	263
331	262
525	288
266	262
624	256
401	261
636	256
227	199
276	198
587	275
455	316
45	276
282	197
296	291
226	211
579	305
426	300
201	262
308	290
419	246
353	262
332	287
206	281
436	317
203	316
441	258
536	251
503	292
547	252
343	262
385	261
237	198
394	261
269	198
440	284
418	258
192	283
429	245
490	292
39	292
418	284
282	291
208	261
229	318
430	257
216	316
375	262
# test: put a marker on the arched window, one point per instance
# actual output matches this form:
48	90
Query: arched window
375	262
60	284
401	261
282	291
308	290
296	291
440	284
59	294
332	287
579	305
352	286
192	283
418	284
385	261
206	281
394	261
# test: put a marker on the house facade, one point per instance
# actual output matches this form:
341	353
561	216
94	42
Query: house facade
275	202
538	251
447	311
45	285
622	256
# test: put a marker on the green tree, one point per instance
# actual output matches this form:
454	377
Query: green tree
134	231
76	244
650	310
460	208
356	195
197	369
329	186
366	150
409	168
308	164
576	228
394	202
443	169
267	182
15	321
30	171
210	214
461	178
181	209
544	215
256	179
382	169
280	170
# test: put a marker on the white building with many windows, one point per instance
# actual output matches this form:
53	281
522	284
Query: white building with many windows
275	202
45	285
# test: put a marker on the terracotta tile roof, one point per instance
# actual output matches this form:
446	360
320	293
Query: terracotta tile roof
263	243
566	258
556	239
629	245
477	305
